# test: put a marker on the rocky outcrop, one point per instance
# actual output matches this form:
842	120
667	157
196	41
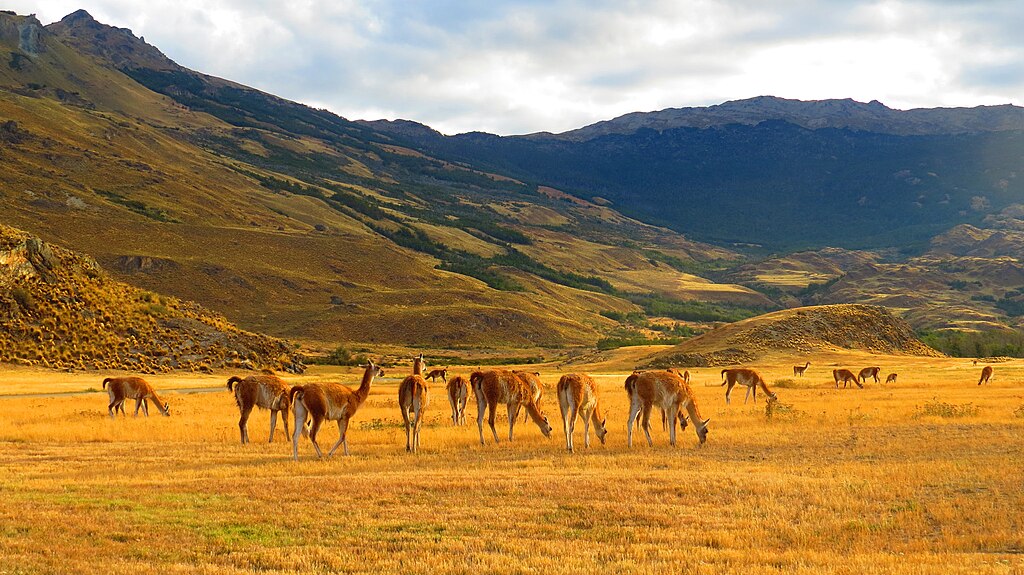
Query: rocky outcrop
803	330
59	309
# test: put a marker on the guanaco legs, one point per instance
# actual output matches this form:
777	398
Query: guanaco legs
867	372
845	375
121	388
668	391
512	389
331	402
800	369
458	393
577	395
264	391
891	378
986	374
748	377
413	398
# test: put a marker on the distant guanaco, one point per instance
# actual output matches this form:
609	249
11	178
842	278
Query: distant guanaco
986	374
845	375
867	372
800	369
749	378
121	388
433	374
891	378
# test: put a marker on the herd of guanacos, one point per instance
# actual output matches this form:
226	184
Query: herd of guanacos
315	403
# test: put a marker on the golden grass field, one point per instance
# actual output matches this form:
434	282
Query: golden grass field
924	476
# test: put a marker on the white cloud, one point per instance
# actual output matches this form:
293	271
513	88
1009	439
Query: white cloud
525	66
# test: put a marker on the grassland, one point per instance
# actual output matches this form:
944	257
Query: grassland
919	477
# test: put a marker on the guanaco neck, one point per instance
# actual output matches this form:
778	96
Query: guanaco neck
417	366
364	386
535	415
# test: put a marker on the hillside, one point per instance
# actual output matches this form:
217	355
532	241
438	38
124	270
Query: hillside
296	222
799	331
59	309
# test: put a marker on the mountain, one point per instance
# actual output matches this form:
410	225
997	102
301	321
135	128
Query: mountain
775	184
295	222
842	114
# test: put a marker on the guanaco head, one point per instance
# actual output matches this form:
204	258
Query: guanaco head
602	430
702	430
377	370
546	428
166	409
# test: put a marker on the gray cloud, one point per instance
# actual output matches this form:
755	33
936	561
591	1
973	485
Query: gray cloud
525	66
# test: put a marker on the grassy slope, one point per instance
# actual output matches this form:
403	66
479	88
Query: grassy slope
920	477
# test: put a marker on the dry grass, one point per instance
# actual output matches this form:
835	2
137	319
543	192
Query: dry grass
846	481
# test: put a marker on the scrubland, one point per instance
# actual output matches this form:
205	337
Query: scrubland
923	476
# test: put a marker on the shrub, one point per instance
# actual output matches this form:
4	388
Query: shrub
945	410
24	298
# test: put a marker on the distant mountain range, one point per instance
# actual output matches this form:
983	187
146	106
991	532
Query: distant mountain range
847	114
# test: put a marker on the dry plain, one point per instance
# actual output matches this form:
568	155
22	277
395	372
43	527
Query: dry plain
923	476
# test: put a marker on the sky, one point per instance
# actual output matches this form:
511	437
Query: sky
522	66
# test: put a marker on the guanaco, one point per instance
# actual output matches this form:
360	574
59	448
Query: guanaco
986	374
121	388
891	378
503	386
798	370
328	402
413	398
436	373
577	396
748	377
867	372
265	391
668	391
458	393
845	375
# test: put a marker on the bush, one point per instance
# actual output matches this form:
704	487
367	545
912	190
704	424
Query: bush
342	356
24	298
945	410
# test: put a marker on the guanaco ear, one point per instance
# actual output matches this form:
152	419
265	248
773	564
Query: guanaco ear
706	421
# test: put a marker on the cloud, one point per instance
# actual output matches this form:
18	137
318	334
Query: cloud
525	66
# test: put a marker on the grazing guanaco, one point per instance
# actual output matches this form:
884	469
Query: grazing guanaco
265	391
121	388
436	373
798	370
845	375
330	402
748	377
867	372
512	389
891	378
986	374
577	395
668	391
458	393
413	398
